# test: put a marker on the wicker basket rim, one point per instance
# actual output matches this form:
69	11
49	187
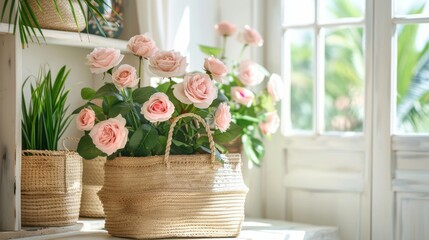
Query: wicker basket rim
47	152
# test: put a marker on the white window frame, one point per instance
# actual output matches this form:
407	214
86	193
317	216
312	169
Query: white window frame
318	28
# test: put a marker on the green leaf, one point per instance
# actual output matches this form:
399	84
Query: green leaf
231	133
87	149
108	102
141	95
108	89
210	50
159	148
247	118
143	140
122	108
163	87
179	147
254	149
87	93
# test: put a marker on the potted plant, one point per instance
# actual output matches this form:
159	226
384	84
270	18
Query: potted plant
165	175
50	179
254	100
30	16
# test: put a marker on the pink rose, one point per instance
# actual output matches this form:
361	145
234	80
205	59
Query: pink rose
167	64
125	76
249	73
271	123
275	87
242	96
222	117
225	28
250	36
197	89
142	45
100	60
110	135
85	119
216	67
158	108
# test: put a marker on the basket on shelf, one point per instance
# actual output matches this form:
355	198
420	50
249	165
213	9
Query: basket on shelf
174	195
92	180
48	18
51	187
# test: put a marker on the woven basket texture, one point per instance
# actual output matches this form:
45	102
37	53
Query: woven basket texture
48	18
93	179
51	187
174	196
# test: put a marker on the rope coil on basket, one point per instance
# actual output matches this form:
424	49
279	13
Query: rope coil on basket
170	138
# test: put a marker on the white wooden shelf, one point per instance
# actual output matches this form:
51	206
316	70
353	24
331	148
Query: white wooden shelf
73	39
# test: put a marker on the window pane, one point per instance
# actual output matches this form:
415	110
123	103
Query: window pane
344	80
334	9
412	78
298	12
302	75
409	7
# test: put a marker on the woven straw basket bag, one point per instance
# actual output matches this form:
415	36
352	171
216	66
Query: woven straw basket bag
174	196
48	18
51	187
92	180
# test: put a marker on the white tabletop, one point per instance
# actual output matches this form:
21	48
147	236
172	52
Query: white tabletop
253	229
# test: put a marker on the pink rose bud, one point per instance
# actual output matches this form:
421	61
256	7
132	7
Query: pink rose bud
250	73
167	64
225	28
251	37
275	87
85	119
197	89
216	67
125	76
158	108
110	135
142	45
222	117
100	60
271	123
242	96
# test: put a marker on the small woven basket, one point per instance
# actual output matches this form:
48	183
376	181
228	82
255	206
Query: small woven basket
93	179
174	196
48	18
51	187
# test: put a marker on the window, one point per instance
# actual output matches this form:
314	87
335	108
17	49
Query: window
324	58
410	20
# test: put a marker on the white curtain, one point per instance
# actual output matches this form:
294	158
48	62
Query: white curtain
154	17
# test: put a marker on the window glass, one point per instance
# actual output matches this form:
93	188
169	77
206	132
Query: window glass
298	12
344	79
410	7
412	78
301	77
334	9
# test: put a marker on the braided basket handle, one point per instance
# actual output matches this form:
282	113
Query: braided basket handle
170	138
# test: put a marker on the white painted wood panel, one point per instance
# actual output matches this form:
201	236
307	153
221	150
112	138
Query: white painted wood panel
412	211
326	208
10	133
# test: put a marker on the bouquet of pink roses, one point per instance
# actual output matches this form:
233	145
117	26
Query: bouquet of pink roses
253	105
134	120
